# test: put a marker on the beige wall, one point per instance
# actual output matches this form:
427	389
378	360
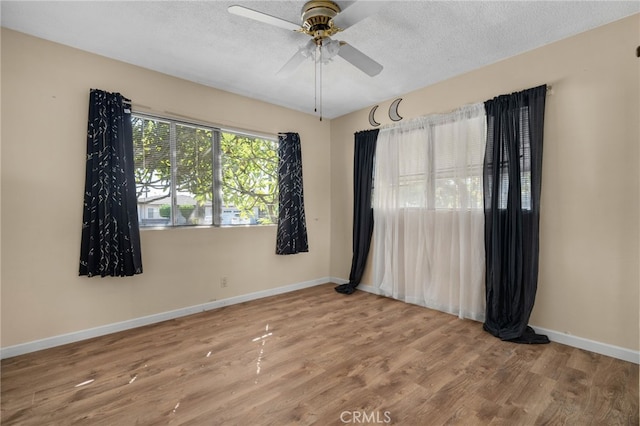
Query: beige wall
589	272
589	267
45	93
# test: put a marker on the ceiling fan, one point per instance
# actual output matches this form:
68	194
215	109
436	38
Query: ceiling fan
321	19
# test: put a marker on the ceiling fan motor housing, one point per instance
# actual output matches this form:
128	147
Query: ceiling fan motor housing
317	19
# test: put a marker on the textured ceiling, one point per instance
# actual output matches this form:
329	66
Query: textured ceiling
418	42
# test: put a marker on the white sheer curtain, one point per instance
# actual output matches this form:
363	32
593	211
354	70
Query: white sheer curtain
428	211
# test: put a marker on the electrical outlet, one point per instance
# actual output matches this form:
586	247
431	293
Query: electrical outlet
223	282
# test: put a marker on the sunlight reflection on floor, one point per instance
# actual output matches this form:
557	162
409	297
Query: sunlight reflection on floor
263	340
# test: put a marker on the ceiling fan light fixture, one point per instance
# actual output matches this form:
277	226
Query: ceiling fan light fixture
330	49
308	51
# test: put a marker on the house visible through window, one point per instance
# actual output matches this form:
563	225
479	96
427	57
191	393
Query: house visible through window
189	174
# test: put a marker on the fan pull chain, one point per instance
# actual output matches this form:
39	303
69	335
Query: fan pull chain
315	79
317	76
320	86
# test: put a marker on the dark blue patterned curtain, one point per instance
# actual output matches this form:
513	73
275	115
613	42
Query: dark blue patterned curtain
110	235
292	226
512	183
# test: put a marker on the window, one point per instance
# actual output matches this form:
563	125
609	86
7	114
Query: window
428	211
441	165
523	157
188	174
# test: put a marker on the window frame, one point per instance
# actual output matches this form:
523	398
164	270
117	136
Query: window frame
217	203
435	173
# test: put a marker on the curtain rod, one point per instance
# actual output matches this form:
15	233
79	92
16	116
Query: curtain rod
549	92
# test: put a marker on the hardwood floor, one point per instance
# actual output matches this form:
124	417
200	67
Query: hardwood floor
316	357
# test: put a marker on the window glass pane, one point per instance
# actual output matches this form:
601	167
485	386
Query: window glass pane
194	175
152	168
441	166
507	162
249	180
219	178
412	191
458	158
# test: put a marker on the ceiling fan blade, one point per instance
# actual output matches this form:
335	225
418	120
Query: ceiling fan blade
299	57
359	59
262	17
356	13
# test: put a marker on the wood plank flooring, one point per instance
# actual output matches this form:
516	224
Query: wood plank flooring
316	357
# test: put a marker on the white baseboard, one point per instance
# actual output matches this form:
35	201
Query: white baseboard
341	281
590	345
63	339
23	348
555	336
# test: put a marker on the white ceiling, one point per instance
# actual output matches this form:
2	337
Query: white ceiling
418	42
